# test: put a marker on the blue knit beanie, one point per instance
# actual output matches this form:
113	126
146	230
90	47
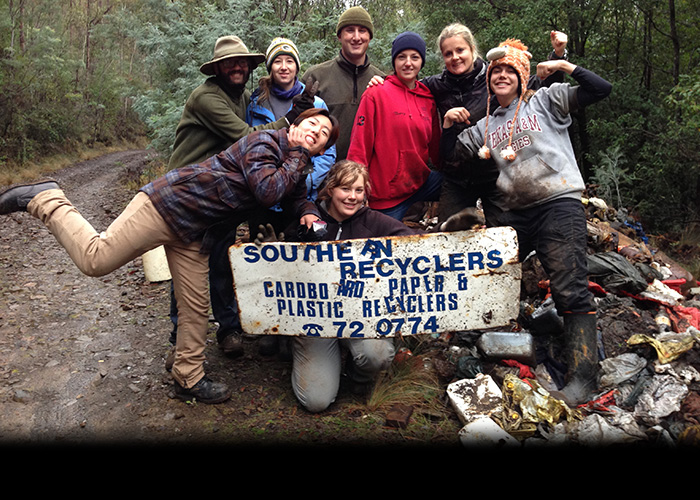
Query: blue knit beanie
408	40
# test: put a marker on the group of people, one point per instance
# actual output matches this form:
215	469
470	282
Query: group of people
356	148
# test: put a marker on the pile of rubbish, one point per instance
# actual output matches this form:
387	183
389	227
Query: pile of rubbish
499	382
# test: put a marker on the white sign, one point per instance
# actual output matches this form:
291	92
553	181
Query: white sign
379	287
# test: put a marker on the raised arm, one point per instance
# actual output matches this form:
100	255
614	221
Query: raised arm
591	89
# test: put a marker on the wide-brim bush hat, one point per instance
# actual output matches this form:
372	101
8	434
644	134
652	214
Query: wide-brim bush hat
231	46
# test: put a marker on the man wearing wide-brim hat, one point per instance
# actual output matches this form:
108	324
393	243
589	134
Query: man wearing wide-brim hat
214	119
214	114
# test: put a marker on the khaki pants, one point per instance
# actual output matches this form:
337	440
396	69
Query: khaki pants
138	229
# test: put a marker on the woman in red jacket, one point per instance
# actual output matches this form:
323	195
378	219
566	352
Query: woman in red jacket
397	133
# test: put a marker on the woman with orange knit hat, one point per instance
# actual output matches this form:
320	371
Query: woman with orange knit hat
527	136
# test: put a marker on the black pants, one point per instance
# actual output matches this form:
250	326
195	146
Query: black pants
557	232
457	194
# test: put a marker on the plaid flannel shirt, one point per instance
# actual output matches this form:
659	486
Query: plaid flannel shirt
259	170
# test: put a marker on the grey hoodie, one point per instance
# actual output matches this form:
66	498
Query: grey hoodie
545	166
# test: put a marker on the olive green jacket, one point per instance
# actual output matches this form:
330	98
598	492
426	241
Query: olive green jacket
211	121
341	85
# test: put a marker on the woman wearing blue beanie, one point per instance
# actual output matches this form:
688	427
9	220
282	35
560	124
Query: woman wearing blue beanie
397	133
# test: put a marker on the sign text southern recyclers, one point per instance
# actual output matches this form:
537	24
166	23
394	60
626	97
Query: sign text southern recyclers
379	287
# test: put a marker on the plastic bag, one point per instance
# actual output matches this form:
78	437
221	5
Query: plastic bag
615	273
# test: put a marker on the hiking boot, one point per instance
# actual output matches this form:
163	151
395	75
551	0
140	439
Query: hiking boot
232	345
16	198
205	391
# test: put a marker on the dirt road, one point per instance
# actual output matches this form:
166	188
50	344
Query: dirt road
82	359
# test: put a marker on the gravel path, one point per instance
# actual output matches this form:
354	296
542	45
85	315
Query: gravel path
82	359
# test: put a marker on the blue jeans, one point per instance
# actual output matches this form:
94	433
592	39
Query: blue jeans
429	191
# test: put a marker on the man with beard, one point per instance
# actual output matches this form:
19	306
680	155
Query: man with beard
214	119
214	114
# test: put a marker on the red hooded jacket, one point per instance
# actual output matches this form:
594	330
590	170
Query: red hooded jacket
397	136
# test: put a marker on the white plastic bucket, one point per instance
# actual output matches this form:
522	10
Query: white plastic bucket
155	265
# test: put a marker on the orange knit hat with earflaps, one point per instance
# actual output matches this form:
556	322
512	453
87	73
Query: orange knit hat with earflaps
512	53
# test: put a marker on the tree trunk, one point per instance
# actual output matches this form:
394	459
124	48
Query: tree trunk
674	40
646	49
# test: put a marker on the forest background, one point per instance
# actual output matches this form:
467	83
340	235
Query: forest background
75	74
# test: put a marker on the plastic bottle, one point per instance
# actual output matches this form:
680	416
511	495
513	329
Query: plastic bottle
663	321
545	320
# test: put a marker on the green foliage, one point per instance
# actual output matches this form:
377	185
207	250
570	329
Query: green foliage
50	98
610	176
71	75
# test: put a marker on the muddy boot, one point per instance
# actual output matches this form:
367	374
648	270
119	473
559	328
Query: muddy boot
205	391
581	350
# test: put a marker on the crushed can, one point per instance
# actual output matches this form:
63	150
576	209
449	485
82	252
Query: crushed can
519	346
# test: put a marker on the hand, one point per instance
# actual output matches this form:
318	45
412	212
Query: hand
376	80
295	137
308	95
303	101
559	41
266	234
308	219
455	115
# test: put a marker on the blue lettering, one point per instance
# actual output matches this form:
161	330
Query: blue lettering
375	248
347	270
475	260
269	253
452	299
366	267
289	258
457	262
438	265
418	269
344	251
321	253
495	258
403	265
384	268
252	253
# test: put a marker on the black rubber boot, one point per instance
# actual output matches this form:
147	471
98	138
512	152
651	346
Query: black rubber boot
581	352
